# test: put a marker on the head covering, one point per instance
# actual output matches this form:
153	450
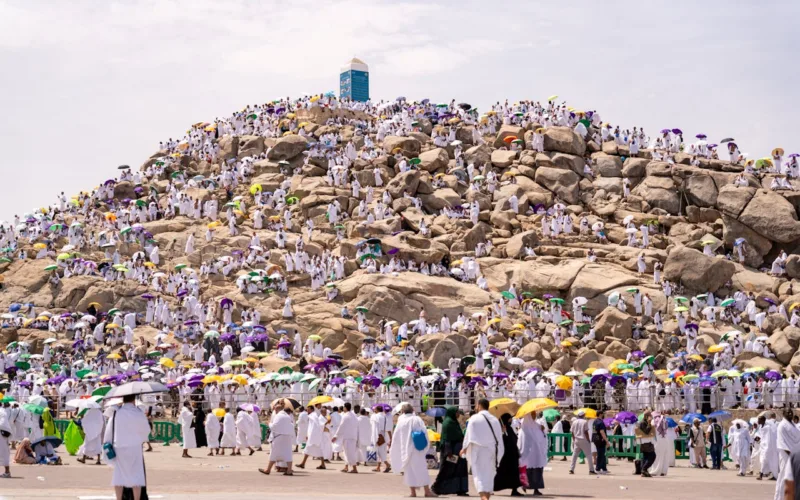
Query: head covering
451	430
660	423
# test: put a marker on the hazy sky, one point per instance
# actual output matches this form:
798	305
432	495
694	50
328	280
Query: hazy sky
89	85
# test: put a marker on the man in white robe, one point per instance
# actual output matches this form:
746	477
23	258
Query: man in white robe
243	428
483	445
186	419
302	430
364	435
788	443
127	430
381	437
347	436
212	433
315	443
228	431
405	457
281	438
92	423
6	432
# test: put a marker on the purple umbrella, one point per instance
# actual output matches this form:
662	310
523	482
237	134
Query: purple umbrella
338	381
597	378
225	302
707	383
259	327
65	315
182	292
25	383
195	383
794	155
148	362
393	251
701	136
665	131
677	131
148	296
477	380
616	379
772	375
500	375
225	337
638	354
383	406
190	322
608	422
172	385
626	417
370	380
770	301
496	352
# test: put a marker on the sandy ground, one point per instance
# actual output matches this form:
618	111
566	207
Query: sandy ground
202	477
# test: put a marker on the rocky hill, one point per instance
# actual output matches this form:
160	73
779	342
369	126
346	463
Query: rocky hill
686	201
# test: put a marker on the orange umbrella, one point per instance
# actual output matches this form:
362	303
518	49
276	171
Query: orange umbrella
510	138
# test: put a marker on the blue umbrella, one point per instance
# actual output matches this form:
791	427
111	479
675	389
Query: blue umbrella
689	418
401	98
671	423
436	412
720	415
330	93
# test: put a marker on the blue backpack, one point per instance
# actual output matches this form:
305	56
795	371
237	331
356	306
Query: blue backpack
420	439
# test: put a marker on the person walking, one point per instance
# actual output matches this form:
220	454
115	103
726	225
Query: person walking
714	435
483	443
453	476
580	442
697	443
600	441
646	436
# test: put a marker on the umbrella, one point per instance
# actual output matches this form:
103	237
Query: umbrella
535	405
320	400
83	404
287	403
138	387
501	406
250	407
54	441
435	412
587	412
720	415
38	401
626	417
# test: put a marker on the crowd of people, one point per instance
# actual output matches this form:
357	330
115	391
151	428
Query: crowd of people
210	350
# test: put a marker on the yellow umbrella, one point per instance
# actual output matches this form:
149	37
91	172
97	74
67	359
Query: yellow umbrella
777	152
218	412
434	436
589	371
111	325
715	349
210	128
566	343
500	406
314	99
114	356
519	325
39	246
320	400
514	333
302	124
696	357
587	412
214	224
564	383
494	321
166	362
288	132
661	372
255	188
791	307
290	115
552	97
535	405
316	338
250	360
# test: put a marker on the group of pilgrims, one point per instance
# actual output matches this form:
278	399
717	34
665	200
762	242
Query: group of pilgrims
211	351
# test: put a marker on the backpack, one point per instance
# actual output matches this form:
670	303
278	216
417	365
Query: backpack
420	439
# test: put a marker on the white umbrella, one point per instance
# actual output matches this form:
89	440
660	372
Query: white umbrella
573	373
38	401
631	230
50	341
627	219
133	388
82	404
580	301
89	318
601	371
516	361
247	349
597	226
613	298
397	409
456	143
334	402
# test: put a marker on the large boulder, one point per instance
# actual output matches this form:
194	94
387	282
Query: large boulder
591	359
564	140
440	199
442	352
478	155
409	146
564	183
502	158
607	165
697	271
635	167
731	199
617	350
659	192
615	323
772	216
508	131
515	247
402	183
433	160
287	148
701	190
780	345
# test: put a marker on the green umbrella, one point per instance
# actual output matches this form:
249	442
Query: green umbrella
586	380
140	203
415	161
727	302
566	322
35	409
649	360
25	357
681	299
23	365
84	373
51	267
181	266
7	399
55	367
291	200
4	260
586	123
366	256
113	311
508	295
101	391
551	414
211	334
468	359
154	354
126	230
237	363
557	300
632	290
393	380
362	309
176	174
527	294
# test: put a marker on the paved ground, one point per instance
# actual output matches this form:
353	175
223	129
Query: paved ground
201	478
